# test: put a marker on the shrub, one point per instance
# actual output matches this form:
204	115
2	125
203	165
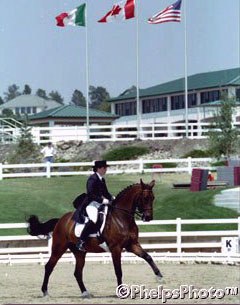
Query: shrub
198	153
125	153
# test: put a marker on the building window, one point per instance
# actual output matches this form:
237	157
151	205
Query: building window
177	102
34	109
192	100
28	110
17	109
154	105
23	110
238	94
211	96
128	108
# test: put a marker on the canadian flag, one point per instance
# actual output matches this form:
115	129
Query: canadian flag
120	11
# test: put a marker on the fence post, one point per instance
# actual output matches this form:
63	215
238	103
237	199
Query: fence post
189	165
141	170
1	171
239	228
49	246
179	237
48	169
114	133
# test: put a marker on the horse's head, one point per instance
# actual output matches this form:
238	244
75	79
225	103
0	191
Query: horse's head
145	200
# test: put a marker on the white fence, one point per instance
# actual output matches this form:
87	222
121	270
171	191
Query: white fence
116	167
177	245
156	131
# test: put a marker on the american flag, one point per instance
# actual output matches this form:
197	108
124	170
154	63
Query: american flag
171	13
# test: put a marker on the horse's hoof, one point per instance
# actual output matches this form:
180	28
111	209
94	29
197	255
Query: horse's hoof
45	294
86	295
160	279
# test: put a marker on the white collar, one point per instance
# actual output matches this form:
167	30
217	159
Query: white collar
99	176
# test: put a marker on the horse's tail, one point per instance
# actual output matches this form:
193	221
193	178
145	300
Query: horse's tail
35	227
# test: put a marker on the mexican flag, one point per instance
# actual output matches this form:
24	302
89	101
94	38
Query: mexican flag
121	11
74	17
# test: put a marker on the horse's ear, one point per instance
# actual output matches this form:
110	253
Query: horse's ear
141	183
152	183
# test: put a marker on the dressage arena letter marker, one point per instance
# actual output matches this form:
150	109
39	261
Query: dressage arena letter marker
230	245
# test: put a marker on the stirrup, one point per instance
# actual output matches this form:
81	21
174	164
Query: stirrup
80	246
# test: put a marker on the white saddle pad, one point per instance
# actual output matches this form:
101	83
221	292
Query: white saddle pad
79	226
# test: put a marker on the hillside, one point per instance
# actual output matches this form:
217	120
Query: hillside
79	151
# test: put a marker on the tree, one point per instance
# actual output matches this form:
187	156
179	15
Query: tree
98	95
78	98
54	95
223	138
105	106
27	89
1	100
26	150
13	91
42	93
8	113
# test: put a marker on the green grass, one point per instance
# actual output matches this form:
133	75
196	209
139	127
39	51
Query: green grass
53	197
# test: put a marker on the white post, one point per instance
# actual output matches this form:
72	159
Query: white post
87	76
189	165
114	133
48	169
49	246
137	70
1	171
141	165
179	237
185	67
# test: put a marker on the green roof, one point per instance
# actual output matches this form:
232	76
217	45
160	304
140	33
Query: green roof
70	111
195	82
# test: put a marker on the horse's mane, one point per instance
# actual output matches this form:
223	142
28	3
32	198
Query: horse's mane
122	193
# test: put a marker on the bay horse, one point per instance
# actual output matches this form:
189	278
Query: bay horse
120	232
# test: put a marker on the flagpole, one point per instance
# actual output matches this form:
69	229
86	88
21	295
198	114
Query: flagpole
185	67
137	70
87	74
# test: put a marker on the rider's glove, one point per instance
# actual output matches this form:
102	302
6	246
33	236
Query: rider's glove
105	201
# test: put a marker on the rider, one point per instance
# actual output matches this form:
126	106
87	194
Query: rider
98	194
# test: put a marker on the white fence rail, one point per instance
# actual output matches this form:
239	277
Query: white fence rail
116	167
167	246
156	131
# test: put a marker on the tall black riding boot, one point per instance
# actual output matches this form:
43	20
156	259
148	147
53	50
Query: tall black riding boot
88	228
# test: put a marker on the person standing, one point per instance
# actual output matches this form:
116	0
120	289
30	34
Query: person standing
98	194
48	152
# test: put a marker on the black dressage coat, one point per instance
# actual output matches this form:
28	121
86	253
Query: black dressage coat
97	189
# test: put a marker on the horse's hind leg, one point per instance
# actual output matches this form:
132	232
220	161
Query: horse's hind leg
57	252
138	250
80	262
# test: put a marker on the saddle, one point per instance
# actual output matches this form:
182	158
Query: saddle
80	203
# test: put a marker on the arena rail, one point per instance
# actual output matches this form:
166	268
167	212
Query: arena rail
163	246
117	132
117	167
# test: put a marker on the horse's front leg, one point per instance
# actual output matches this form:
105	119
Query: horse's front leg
116	257
138	250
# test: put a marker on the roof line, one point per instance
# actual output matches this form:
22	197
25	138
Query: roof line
55	110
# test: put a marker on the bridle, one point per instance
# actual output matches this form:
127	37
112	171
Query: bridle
135	206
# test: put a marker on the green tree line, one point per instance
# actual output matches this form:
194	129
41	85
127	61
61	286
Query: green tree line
98	97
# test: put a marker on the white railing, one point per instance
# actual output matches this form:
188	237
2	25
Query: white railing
116	167
172	249
123	132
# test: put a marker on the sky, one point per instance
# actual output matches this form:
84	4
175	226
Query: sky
36	52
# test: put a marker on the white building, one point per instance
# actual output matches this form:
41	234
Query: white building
28	104
165	103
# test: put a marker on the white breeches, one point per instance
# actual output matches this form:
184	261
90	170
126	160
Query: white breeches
92	210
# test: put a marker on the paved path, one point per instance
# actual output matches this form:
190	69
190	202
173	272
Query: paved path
229	199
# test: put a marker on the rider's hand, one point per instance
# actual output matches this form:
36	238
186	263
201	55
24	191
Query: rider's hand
105	201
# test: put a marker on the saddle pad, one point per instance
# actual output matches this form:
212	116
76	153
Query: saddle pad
79	226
